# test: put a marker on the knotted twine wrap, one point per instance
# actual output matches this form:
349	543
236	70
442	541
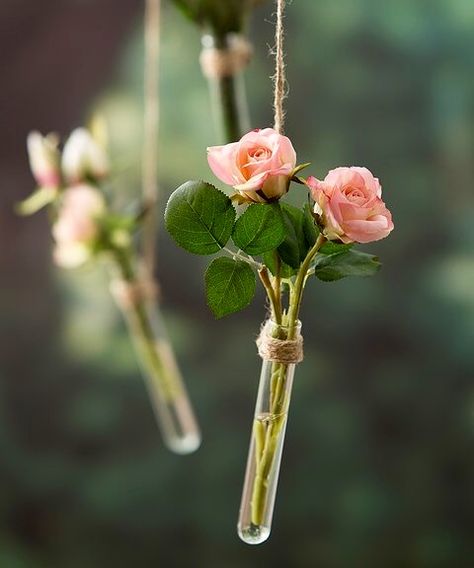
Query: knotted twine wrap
286	351
129	294
228	61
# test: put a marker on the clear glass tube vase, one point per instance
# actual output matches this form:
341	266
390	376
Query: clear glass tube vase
168	395
266	445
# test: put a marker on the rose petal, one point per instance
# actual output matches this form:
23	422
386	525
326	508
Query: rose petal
255	182
371	182
221	160
368	231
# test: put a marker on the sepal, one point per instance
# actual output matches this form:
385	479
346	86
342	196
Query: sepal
42	197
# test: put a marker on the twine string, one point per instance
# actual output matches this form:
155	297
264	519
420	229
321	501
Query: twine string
151	117
279	78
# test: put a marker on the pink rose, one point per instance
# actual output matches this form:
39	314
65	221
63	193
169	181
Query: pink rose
349	201
43	154
83	157
259	166
76	227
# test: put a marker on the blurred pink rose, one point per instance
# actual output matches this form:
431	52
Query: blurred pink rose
259	166
349	201
43	154
76	227
83	157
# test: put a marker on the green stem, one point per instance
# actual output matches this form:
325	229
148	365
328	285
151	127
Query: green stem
297	292
267	431
277	281
230	101
244	257
230	111
274	300
151	348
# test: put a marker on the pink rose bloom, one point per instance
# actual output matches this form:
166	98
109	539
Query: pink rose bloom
76	227
349	201
259	166
43	155
83	157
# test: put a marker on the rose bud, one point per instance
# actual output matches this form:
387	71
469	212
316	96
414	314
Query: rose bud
350	205
43	155
76	227
259	167
83	158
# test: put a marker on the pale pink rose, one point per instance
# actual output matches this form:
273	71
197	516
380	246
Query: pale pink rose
259	166
43	155
349	201
83	157
76	227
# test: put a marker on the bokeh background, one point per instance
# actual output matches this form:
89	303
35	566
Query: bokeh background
378	466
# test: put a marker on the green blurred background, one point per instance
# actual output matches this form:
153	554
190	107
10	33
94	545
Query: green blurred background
378	466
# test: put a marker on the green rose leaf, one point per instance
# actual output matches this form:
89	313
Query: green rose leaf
302	233
259	229
199	217
295	245
331	267
330	247
230	286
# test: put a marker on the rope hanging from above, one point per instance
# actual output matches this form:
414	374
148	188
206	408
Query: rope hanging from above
151	117
279	78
